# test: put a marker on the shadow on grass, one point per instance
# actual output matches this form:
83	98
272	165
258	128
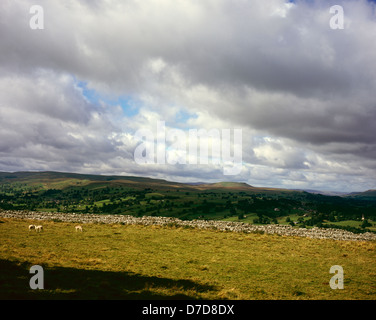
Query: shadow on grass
70	283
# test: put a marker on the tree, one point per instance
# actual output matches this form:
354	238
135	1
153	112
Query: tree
332	217
365	224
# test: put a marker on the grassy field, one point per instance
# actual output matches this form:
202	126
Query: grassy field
138	262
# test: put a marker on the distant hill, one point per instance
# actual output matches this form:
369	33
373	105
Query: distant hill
241	186
142	196
227	185
60	180
369	194
325	193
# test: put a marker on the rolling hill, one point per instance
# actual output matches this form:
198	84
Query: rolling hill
60	180
369	194
142	196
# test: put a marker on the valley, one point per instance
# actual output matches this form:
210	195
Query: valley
224	201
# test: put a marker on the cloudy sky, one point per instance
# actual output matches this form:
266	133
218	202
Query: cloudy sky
74	94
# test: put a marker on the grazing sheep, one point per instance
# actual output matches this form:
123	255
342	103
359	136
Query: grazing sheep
39	228
78	228
31	227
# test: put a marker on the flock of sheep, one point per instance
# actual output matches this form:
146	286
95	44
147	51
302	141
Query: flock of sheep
40	228
36	228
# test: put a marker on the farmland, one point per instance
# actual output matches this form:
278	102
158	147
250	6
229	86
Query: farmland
63	192
115	261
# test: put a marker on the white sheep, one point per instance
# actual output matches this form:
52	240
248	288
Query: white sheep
78	228
39	228
31	227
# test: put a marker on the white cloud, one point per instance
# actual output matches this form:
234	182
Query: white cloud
301	92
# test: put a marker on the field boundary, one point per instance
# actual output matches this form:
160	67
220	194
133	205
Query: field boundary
283	230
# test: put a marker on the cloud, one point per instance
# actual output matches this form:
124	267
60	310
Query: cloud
73	95
47	119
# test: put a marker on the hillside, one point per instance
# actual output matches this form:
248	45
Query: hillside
60	180
141	196
369	194
115	261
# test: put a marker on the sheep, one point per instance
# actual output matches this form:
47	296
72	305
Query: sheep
78	228
31	227
39	228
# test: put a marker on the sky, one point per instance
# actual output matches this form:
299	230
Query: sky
75	93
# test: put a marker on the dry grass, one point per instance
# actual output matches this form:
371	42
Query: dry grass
137	262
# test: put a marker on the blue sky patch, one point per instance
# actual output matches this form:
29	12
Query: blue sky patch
128	104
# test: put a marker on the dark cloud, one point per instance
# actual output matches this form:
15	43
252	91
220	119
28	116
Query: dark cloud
274	68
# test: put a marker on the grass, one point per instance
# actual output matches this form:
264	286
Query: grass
138	262
355	224
248	218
